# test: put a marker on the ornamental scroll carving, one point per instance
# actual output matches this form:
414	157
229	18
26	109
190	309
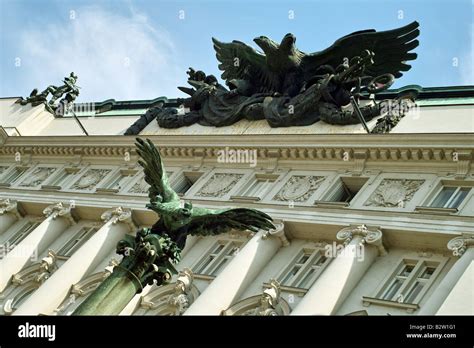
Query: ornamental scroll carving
459	245
10	206
219	185
60	210
268	303
394	193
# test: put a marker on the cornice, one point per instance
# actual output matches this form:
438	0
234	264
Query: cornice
360	147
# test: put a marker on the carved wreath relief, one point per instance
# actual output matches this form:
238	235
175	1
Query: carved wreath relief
219	185
299	188
90	179
394	193
38	176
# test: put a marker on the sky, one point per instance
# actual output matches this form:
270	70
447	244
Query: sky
141	49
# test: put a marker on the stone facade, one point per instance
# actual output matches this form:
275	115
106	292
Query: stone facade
396	209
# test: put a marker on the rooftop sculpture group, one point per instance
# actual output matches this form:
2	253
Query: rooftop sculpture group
287	87
69	90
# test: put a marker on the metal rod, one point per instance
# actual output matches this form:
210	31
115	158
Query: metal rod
79	122
359	114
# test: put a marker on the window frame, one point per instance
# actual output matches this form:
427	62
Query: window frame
340	183
81	236
403	292
243	193
125	174
451	198
8	173
18	234
204	268
299	279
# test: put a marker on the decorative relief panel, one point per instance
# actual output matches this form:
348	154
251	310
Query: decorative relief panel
394	193
219	185
38	176
90	179
141	186
299	188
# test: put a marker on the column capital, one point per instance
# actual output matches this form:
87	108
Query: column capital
459	245
370	235
119	214
278	232
180	299
10	206
60	210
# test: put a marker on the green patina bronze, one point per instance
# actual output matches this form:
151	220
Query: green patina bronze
69	90
287	87
150	256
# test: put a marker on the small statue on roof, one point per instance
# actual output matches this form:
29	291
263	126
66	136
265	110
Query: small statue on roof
68	91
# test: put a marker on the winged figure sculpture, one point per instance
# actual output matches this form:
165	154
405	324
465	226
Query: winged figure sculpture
177	221
282	68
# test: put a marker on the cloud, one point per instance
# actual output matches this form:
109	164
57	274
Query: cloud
115	56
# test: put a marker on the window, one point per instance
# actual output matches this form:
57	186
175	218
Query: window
257	188
119	180
17	237
77	241
183	182
216	258
305	269
182	185
450	196
410	281
14	175
63	176
345	189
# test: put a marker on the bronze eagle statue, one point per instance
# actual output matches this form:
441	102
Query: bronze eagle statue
176	221
282	68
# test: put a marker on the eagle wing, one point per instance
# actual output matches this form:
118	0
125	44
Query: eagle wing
242	62
155	174
391	50
207	222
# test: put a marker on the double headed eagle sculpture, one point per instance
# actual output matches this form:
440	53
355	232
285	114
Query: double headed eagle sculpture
284	69
288	87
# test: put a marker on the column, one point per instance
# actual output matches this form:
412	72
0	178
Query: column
190	241
58	219
132	305
361	246
10	212
49	296
239	273
461	247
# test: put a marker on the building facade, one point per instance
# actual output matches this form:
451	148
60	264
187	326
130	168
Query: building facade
366	224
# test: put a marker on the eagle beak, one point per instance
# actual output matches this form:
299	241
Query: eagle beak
259	40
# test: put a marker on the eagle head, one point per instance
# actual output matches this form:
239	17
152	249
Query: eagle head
288	43
266	44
